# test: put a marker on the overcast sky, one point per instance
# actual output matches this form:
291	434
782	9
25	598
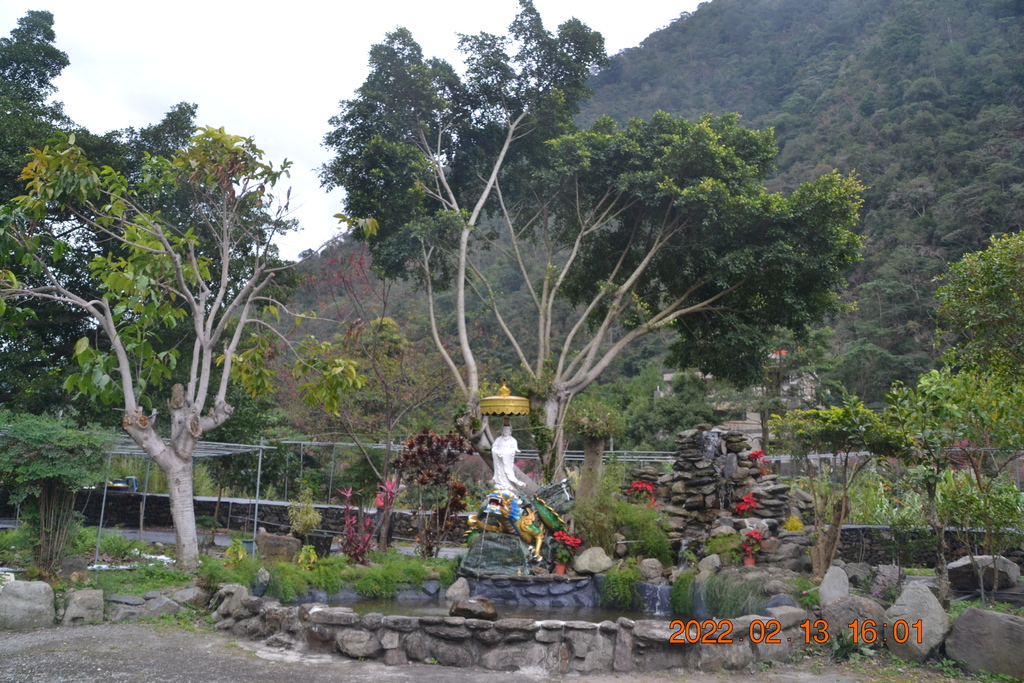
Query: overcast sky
273	70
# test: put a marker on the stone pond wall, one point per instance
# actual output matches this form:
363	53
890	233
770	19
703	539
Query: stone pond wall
509	644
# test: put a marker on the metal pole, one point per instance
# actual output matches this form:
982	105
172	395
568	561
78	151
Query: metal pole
287	462
103	509
334	448
302	461
259	474
145	493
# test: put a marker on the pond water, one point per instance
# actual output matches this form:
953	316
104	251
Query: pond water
439	608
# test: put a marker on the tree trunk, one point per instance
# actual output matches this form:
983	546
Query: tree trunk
179	485
941	571
590	476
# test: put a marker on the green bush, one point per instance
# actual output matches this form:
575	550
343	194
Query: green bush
598	521
117	547
82	540
619	589
287	581
680	601
730	595
727	547
805	592
377	582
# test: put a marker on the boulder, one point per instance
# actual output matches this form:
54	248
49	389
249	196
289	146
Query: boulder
26	604
996	570
84	607
356	643
983	640
161	605
277	548
650	569
722	531
73	564
886	575
844	611
712	563
194	596
458	590
834	586
230	597
859	573
916	602
474	608
592	561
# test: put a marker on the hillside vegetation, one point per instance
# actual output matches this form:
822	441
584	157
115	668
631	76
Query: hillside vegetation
925	100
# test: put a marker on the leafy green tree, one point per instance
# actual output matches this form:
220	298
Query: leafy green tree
851	434
959	420
981	302
43	462
157	276
636	228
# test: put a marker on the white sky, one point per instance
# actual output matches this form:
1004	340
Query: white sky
275	71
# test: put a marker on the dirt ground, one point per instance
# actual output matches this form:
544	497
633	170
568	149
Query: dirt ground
158	653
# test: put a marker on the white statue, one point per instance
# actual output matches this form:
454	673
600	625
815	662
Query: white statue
503	452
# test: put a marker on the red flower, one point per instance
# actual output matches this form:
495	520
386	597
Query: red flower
568	539
746	504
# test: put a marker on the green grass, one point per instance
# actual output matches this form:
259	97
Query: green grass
137	581
681	598
619	589
730	595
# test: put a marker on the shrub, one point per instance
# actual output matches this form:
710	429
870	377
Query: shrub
727	547
806	593
287	581
619	589
681	599
117	547
376	583
793	523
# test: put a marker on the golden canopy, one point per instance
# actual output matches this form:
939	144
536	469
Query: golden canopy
505	403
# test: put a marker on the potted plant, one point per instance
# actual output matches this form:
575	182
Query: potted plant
751	544
304	518
564	547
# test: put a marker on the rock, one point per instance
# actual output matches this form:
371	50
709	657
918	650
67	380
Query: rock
474	608
277	548
84	607
650	569
73	564
842	612
886	575
133	612
858	573
355	643
194	596
592	561
161	605
712	563
834	586
133	600
780	600
458	590
722	531
983	640
230	597
996	570
26	604
916	602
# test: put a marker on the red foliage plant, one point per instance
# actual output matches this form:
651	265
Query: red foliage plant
746	504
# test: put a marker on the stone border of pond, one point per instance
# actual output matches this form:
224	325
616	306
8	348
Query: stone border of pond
511	644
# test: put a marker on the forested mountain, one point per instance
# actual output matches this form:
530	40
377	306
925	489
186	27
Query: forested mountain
923	99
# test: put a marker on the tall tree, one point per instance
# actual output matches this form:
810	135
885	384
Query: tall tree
636	228
981	303
216	276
